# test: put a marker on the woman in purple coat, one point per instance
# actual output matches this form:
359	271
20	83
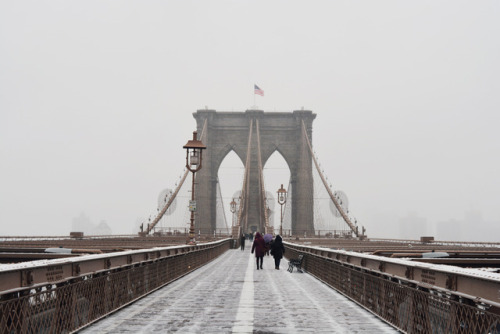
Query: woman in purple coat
259	246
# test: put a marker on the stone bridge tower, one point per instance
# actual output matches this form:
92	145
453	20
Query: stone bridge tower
279	131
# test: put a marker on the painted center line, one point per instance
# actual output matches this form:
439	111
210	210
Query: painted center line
244	317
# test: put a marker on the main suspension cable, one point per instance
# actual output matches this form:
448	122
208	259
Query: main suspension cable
332	197
172	198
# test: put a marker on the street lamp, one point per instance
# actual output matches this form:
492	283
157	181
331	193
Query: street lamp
281	201
233	209
194	149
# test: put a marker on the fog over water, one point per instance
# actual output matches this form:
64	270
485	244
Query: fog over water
97	97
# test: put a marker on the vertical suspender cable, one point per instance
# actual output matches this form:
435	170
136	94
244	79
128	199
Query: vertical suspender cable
334	200
171	199
219	192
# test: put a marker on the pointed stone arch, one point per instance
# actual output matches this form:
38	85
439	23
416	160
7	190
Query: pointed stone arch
280	132
222	154
276	173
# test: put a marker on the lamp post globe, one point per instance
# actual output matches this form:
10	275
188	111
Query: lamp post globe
233	210
281	201
194	154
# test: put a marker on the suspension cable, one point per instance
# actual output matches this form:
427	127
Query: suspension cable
334	200
261	177
244	187
171	199
222	202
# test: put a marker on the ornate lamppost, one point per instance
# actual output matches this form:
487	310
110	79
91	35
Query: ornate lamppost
281	201
233	209
194	150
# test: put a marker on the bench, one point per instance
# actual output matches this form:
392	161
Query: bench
297	263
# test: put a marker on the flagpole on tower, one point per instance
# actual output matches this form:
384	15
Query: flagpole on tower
256	90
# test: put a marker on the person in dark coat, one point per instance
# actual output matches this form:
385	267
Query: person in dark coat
259	246
268	247
277	251
242	241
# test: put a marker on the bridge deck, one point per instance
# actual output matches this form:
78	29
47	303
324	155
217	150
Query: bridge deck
229	295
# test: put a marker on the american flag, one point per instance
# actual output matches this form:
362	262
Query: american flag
257	90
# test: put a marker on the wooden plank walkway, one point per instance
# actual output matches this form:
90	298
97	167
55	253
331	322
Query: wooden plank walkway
229	295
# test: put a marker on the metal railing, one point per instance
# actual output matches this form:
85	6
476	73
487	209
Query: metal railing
200	232
440	242
325	234
63	237
64	295
414	298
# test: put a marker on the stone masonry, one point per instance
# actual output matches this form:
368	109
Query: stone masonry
279	131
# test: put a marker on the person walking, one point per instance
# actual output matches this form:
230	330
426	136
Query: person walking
259	246
277	251
242	241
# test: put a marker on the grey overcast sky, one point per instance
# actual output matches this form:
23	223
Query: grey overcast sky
96	102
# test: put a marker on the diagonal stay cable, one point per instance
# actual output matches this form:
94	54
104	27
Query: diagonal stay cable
261	179
334	200
244	187
171	199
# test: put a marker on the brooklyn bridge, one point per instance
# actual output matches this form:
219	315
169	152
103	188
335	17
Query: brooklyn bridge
187	271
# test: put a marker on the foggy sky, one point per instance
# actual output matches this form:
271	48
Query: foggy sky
96	102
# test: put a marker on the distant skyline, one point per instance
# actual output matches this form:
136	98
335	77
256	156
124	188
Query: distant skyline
97	97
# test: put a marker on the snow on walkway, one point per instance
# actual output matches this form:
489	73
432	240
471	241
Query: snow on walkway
229	295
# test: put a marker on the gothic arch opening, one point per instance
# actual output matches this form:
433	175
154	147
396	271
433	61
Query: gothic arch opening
276	173
230	176
243	133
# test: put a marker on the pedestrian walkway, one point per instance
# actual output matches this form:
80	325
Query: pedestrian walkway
229	295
